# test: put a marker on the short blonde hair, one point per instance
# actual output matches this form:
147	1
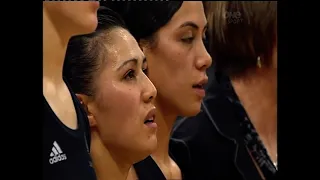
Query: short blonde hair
240	31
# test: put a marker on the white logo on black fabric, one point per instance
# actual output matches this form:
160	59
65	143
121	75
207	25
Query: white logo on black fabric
56	154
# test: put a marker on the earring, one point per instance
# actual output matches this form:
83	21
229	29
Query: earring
259	62
84	107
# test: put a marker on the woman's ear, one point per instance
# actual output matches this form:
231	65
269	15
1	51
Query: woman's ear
86	104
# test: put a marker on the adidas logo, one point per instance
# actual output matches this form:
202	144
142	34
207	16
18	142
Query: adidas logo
56	154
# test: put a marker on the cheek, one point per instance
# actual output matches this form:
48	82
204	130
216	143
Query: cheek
69	11
170	67
118	111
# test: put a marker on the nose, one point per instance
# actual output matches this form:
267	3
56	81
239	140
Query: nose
149	90
204	59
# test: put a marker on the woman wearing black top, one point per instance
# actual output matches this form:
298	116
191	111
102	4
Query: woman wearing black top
235	136
171	36
107	70
65	127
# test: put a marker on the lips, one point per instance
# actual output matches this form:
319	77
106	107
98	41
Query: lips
201	83
200	86
151	120
150	116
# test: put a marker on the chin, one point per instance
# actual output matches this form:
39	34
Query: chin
146	148
89	25
151	144
191	110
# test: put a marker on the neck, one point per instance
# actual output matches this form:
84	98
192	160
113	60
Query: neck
108	165
54	50
165	120
258	95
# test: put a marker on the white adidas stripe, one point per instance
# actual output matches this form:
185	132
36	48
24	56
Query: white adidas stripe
54	151
57	146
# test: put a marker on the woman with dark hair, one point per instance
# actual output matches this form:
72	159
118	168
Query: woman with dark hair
171	35
107	71
65	126
235	136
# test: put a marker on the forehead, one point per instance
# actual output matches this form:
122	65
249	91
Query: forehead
121	46
189	11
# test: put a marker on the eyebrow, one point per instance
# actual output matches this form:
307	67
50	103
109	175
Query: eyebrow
133	60
193	25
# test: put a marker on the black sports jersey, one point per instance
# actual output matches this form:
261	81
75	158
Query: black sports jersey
65	152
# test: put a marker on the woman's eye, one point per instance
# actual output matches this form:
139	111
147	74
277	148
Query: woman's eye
130	75
145	71
188	40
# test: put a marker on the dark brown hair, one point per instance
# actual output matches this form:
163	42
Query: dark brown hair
240	32
85	52
144	19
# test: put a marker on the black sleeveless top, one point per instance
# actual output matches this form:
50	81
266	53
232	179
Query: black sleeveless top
148	169
251	137
65	152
